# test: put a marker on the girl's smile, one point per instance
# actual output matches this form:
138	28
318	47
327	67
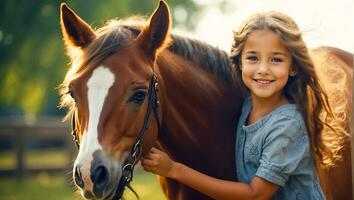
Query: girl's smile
263	82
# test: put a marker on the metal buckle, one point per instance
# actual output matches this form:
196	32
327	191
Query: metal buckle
134	157
127	172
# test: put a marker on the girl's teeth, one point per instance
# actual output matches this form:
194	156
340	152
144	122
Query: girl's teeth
264	82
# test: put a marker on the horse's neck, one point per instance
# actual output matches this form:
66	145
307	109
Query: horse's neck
200	112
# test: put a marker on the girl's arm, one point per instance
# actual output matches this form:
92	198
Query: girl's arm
159	163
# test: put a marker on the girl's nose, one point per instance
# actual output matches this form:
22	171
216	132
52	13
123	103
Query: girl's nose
262	68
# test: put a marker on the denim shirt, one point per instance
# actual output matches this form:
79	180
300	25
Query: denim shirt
276	148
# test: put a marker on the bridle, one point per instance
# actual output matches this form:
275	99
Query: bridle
134	155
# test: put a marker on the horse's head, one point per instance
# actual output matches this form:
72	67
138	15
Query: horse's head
110	91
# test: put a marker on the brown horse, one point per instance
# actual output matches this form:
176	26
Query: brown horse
335	70
110	90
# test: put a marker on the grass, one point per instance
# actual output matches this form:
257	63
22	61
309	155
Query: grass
60	187
44	186
147	187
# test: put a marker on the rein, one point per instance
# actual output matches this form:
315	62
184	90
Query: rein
133	158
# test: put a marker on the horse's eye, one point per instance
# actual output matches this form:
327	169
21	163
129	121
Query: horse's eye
138	97
71	93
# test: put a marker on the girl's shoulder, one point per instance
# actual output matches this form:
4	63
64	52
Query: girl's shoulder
287	113
287	121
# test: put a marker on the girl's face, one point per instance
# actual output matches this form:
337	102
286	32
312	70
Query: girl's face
265	64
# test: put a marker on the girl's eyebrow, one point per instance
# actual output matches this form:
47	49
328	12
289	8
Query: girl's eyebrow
251	52
274	53
280	53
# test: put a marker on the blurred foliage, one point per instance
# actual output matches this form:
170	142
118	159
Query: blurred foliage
34	158
32	60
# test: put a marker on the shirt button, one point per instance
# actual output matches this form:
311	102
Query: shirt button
299	196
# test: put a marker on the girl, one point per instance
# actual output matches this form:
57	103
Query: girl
279	131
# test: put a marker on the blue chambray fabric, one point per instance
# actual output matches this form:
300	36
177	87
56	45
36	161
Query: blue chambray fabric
276	148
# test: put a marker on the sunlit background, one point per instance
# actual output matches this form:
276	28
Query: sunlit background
324	22
36	150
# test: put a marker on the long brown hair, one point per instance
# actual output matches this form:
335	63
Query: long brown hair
304	89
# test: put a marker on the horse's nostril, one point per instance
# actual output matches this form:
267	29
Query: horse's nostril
100	177
78	177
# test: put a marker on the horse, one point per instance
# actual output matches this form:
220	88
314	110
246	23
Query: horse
133	84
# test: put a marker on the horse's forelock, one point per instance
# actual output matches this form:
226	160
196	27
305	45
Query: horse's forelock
110	38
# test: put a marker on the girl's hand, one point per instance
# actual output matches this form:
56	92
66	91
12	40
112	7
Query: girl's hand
159	163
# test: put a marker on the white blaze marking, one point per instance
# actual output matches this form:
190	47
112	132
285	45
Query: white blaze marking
98	85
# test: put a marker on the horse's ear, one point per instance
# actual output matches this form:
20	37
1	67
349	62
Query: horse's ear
155	36
76	32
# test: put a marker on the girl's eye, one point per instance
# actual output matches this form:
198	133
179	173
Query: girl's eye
277	60
252	58
138	97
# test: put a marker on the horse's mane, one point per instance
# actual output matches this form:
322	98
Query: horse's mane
206	56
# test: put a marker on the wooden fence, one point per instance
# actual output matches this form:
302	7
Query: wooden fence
21	132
